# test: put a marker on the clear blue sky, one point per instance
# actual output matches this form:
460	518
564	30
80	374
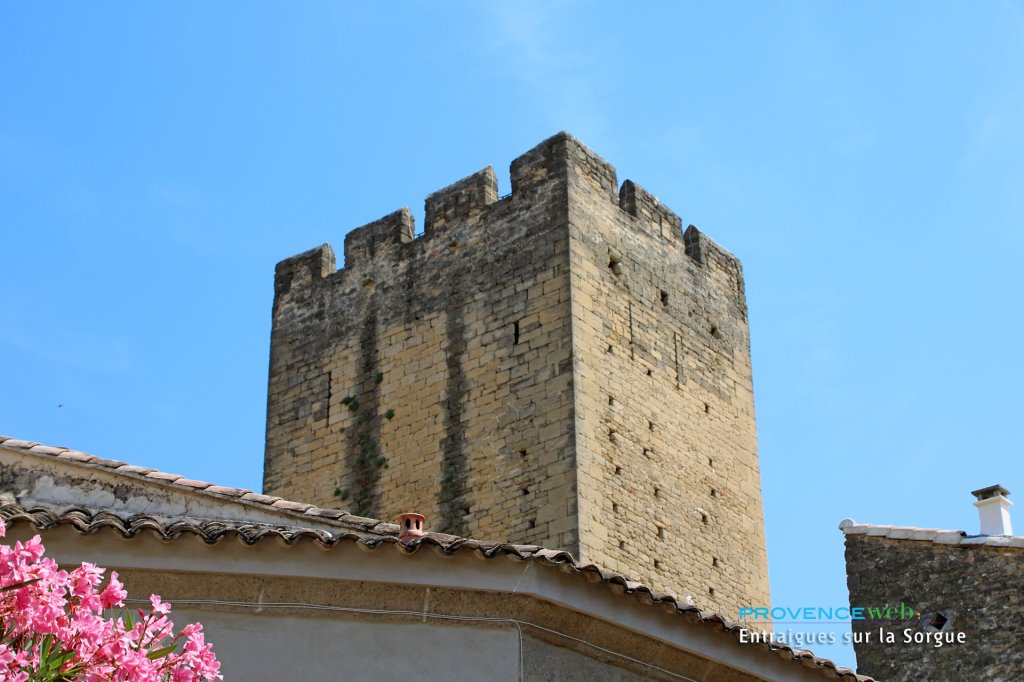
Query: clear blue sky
864	160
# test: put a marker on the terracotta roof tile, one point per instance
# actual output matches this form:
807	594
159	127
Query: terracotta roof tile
132	469
189	483
293	506
73	455
227	492
46	449
259	497
163	476
326	513
105	463
25	444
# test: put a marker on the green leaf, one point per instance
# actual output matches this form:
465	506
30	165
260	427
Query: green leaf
64	659
53	665
44	649
160	653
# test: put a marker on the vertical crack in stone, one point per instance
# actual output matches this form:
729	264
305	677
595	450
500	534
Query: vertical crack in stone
452	496
679	373
632	349
330	395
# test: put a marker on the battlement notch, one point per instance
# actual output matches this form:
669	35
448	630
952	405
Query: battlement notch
652	216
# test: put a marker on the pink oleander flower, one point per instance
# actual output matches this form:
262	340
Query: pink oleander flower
52	626
114	593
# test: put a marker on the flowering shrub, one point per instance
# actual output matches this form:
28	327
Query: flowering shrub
52	627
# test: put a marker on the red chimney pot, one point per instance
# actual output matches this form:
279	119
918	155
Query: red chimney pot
410	526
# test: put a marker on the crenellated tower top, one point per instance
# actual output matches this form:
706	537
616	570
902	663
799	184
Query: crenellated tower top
562	366
552	169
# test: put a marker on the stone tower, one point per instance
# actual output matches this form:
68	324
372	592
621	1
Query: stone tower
563	366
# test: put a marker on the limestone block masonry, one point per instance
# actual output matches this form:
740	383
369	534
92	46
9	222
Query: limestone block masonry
563	366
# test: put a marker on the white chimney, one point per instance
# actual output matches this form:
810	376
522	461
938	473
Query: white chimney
994	510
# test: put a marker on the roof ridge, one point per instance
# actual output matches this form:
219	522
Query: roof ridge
183	483
936	535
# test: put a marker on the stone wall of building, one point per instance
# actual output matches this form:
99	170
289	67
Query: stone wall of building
561	366
972	589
